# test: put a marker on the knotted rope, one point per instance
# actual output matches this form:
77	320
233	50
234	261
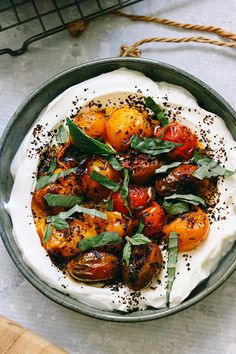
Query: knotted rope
134	51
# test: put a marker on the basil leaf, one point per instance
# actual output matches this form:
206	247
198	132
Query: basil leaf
171	265
106	182
214	169
127	253
87	144
124	191
47	233
52	166
67	201
103	239
110	205
189	198
165	168
138	239
175	208
201	172
199	159
228	173
162	133
152	146
59	224
45	180
140	227
153	106
77	209
62	135
114	162
209	168
162	118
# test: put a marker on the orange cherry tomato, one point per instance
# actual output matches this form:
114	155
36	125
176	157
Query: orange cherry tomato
38	197
192	228
92	188
139	198
154	219
123	123
116	222
181	134
67	185
92	123
40	223
64	242
71	184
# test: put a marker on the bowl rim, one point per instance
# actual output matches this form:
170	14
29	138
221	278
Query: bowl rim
47	290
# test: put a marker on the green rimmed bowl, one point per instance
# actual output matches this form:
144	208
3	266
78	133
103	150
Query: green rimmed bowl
27	114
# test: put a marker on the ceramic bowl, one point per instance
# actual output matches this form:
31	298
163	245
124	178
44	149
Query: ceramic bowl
24	118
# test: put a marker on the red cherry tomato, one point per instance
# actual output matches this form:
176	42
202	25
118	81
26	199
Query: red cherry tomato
154	219
139	198
181	134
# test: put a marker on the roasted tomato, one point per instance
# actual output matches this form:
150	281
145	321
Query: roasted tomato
145	264
64	242
69	156
141	166
139	198
92	188
181	134
92	123
123	123
48	154
116	222
38	196
71	184
192	228
93	266
40	223
181	180
68	185
154	219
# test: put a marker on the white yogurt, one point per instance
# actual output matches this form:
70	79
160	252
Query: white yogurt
203	260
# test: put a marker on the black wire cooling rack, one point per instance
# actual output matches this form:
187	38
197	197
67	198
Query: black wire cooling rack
42	18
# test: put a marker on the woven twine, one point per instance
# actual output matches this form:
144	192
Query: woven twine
134	51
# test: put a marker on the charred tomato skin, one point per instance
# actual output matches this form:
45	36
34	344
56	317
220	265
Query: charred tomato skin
154	218
38	196
68	185
178	133
145	264
141	166
93	266
64	242
180	180
69	156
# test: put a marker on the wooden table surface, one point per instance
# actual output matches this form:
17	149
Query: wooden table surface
208	327
17	339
